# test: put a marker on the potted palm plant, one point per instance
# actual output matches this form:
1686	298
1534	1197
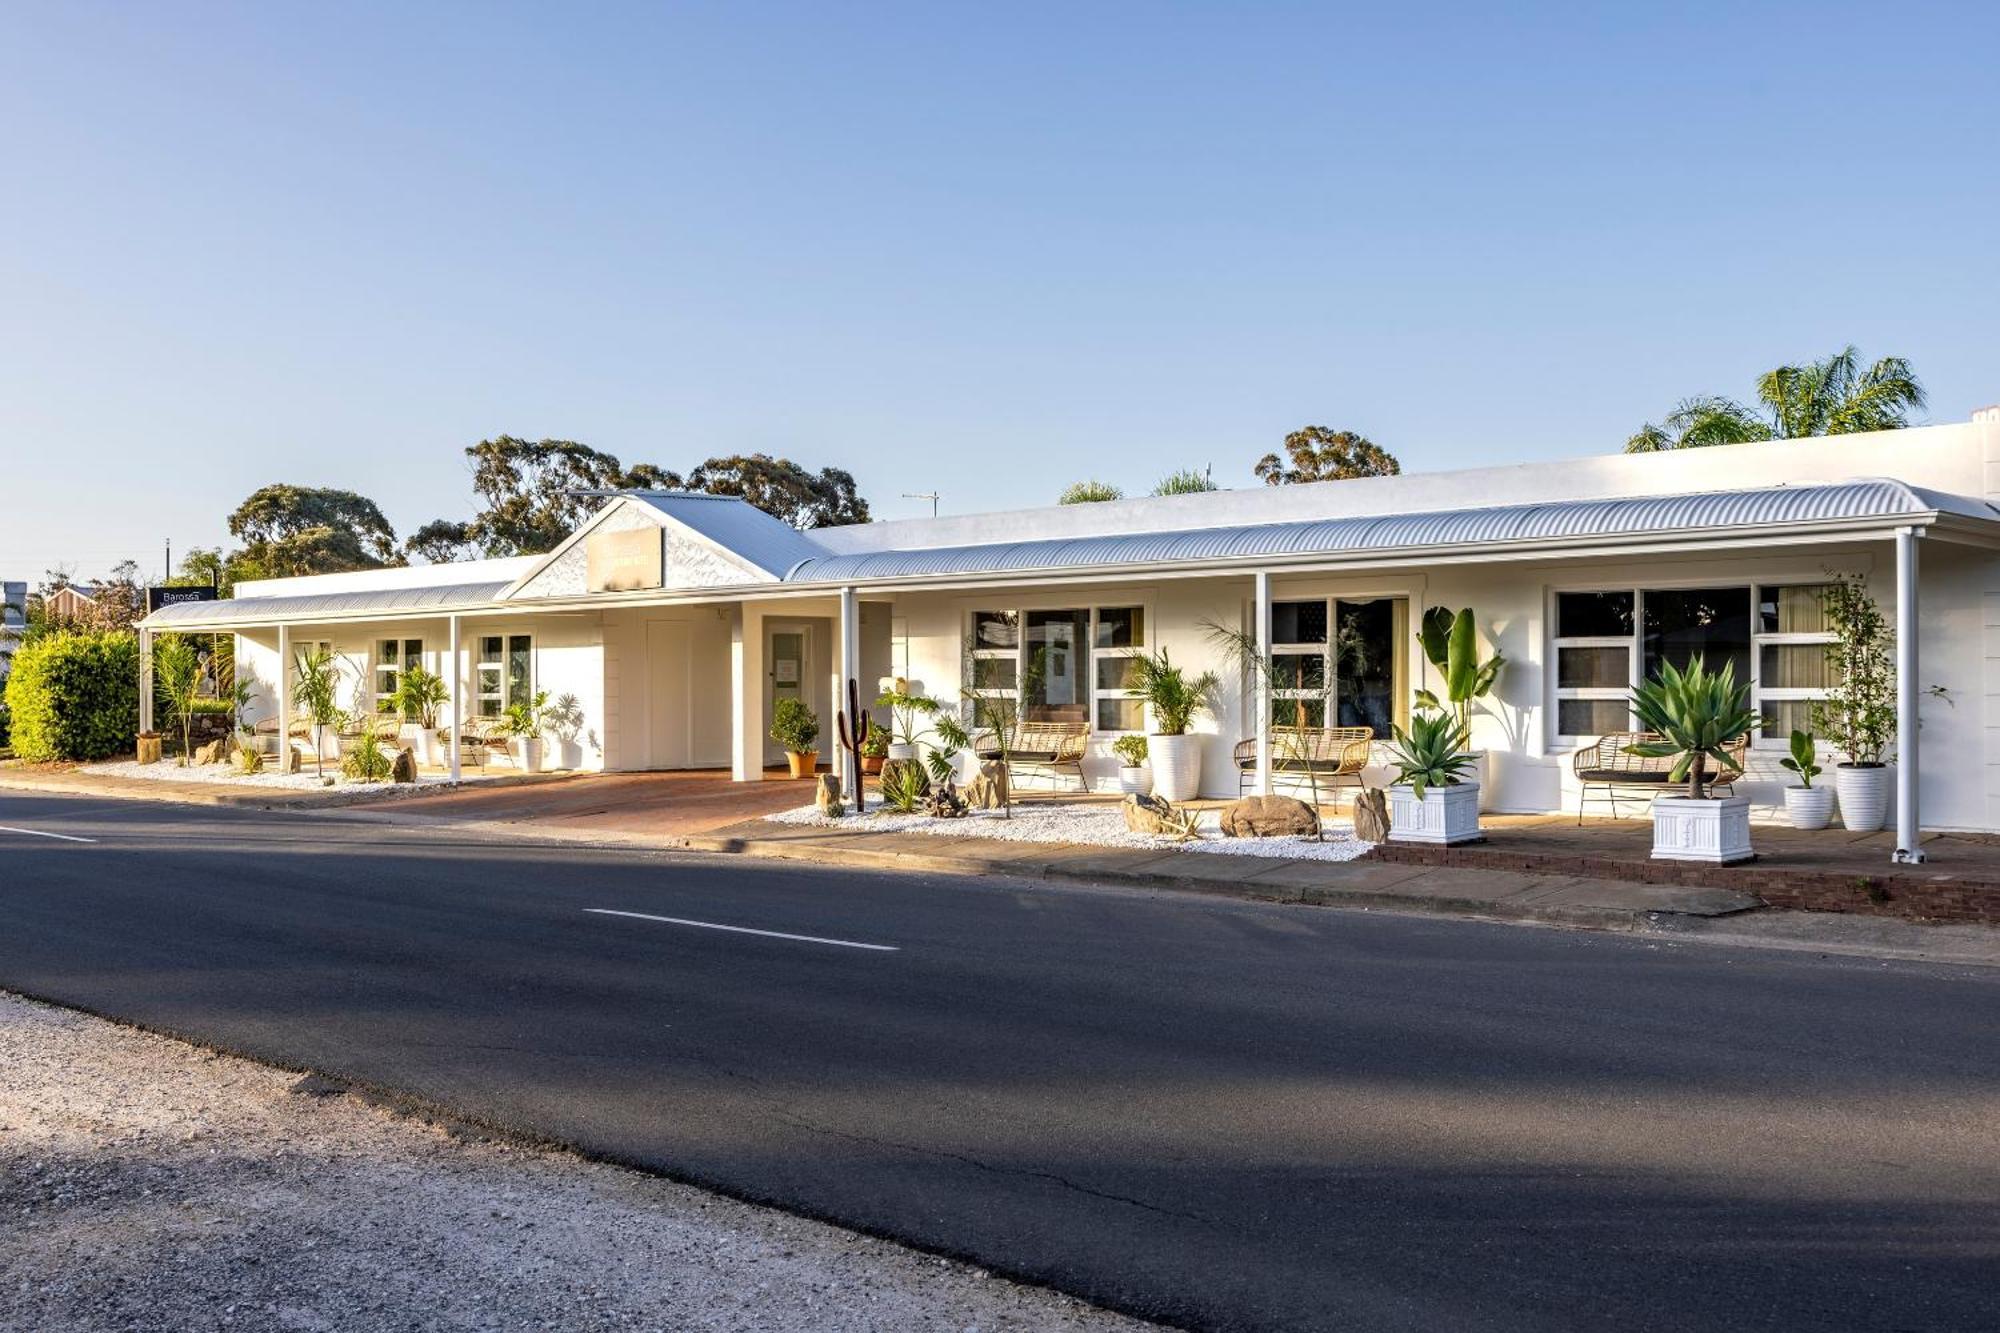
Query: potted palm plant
1175	699
420	696
794	727
521	721
1696	715
1131	752
1858	713
1807	806
1433	800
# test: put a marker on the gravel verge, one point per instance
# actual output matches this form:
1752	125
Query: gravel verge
148	1184
1094	825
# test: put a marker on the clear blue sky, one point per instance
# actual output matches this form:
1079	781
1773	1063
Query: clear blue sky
981	252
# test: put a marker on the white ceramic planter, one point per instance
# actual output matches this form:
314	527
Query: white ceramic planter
897	750
1864	795
423	742
1809	807
1716	831
569	755
1444	816
1176	765
528	753
1133	781
1481	773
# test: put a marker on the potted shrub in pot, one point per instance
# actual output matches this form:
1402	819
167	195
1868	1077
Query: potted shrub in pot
874	749
1697	714
1807	806
521	723
1131	752
1432	799
420	696
1451	645
794	727
1173	751
909	710
1858	714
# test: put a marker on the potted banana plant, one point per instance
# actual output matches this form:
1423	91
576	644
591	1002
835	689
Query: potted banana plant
1695	716
1450	641
1807	806
1434	799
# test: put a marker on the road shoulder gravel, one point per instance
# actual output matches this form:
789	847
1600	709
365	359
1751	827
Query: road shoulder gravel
148	1183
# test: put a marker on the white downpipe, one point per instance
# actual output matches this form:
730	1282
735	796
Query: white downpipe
850	669
1260	687
457	700
1909	847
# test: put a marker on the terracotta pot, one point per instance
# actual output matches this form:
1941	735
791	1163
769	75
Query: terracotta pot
803	764
871	763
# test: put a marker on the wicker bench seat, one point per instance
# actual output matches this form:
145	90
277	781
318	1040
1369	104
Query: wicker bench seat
1609	764
1329	754
1050	748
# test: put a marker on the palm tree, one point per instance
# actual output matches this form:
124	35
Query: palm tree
1835	395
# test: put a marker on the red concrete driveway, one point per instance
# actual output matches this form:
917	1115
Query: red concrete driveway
641	803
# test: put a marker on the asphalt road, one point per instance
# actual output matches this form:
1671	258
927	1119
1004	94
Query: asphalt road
1218	1114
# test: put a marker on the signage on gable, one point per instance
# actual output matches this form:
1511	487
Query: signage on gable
157	597
622	561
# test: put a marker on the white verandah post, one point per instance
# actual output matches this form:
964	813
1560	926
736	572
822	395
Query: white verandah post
145	680
284	700
1908	832
457	700
1260	682
850	669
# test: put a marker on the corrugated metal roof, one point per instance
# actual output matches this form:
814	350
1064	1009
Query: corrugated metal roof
356	604
737	526
1776	506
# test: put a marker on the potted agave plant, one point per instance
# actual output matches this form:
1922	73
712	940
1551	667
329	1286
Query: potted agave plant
1807	806
1131	752
1432	799
1695	715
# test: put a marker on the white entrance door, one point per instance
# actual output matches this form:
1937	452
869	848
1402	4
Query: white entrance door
669	712
789	660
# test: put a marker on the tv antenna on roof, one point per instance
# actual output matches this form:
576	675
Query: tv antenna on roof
932	496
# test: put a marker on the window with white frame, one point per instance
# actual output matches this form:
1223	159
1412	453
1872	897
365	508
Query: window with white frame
505	672
1606	641
392	658
1071	664
1349	652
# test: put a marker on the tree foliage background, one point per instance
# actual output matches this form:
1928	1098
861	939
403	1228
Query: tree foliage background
1315	453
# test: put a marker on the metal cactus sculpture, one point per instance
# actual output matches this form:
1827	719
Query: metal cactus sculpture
853	736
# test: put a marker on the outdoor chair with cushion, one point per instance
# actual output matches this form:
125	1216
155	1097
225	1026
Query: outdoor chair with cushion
1301	755
1050	748
1608	763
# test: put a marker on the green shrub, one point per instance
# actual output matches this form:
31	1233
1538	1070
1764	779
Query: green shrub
75	695
6	725
793	725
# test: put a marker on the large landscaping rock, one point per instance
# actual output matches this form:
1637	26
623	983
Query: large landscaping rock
210	753
404	769
988	791
826	796
1268	817
1371	816
1149	814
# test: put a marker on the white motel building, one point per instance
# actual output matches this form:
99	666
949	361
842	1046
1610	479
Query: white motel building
674	620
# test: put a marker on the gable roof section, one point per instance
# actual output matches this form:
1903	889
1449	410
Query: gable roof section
348	604
1771	509
714	541
736	527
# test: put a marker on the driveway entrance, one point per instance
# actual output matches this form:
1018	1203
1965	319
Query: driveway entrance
694	801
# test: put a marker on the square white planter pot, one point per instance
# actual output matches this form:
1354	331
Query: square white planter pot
1715	831
1445	816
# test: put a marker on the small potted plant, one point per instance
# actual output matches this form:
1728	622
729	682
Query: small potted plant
1809	807
1432	800
908	706
1858	715
521	722
794	727
1131	752
419	696
1175	699
1696	715
874	749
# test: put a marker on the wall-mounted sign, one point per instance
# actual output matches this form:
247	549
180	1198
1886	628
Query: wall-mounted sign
159	597
622	561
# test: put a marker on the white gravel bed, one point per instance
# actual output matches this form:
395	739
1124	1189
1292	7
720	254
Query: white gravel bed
228	775
1095	825
147	1184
